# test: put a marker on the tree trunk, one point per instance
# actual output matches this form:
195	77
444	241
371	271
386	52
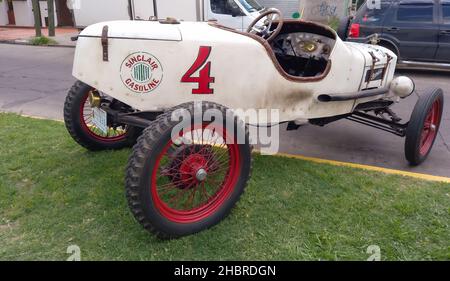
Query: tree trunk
37	17
51	18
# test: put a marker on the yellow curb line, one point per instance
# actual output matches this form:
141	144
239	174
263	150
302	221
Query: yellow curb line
367	167
39	118
335	163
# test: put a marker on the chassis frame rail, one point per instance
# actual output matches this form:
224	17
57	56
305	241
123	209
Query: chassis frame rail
389	126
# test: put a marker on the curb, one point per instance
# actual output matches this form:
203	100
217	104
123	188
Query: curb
388	171
25	43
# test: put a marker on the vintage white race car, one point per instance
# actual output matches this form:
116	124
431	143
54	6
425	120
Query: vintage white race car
155	75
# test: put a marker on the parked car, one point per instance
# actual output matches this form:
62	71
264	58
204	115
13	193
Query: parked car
417	31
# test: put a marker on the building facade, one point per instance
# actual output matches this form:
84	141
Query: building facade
67	12
20	13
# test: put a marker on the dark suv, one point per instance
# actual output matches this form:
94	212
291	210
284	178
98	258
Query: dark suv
418	31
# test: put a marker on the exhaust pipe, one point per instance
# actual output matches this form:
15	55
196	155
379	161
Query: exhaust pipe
353	96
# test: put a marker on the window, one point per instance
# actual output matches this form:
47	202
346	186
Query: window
415	12
368	16
446	12
220	7
251	5
225	7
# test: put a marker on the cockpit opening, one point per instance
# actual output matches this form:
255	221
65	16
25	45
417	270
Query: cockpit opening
303	49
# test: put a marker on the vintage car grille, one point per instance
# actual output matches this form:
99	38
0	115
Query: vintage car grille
375	75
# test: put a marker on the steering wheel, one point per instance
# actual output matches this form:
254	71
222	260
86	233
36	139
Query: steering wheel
264	31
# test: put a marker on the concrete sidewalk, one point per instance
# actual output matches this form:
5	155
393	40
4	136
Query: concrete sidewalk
22	35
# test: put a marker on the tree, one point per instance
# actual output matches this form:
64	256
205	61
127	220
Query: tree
51	18
37	17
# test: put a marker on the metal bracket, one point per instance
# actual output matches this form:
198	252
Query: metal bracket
372	68
105	43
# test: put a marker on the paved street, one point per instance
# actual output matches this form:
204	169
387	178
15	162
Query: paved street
35	80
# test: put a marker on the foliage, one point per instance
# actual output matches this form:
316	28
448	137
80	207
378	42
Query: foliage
42	41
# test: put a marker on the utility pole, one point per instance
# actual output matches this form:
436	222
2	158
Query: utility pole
51	18
37	17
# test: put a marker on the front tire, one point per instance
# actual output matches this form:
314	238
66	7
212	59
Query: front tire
78	120
177	187
424	126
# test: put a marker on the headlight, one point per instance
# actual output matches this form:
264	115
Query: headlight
402	86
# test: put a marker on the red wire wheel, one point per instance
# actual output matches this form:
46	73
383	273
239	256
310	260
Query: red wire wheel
113	134
430	127
191	181
184	183
423	127
78	117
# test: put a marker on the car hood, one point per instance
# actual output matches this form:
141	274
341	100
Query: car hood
148	30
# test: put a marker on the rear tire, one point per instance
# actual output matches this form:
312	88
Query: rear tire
162	172
424	126
83	133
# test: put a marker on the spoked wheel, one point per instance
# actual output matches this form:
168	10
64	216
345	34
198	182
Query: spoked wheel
184	183
78	117
113	134
424	126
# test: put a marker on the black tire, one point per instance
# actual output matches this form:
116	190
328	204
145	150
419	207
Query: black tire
343	28
81	133
417	148
144	162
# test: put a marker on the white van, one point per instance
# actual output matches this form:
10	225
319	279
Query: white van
237	14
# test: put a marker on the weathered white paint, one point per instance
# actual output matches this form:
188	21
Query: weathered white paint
245	76
3	13
136	30
23	13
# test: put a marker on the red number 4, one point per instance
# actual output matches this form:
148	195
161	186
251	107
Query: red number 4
204	79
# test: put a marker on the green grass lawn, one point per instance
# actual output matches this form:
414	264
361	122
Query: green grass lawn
54	194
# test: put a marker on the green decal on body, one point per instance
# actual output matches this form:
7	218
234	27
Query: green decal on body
141	72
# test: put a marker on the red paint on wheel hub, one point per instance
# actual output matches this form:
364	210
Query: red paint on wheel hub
430	128
190	167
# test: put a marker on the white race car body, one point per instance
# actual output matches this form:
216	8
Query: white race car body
186	173
153	66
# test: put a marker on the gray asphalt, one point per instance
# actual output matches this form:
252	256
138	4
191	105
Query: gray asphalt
35	80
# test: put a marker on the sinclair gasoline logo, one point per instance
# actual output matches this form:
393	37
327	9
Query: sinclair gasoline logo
141	72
